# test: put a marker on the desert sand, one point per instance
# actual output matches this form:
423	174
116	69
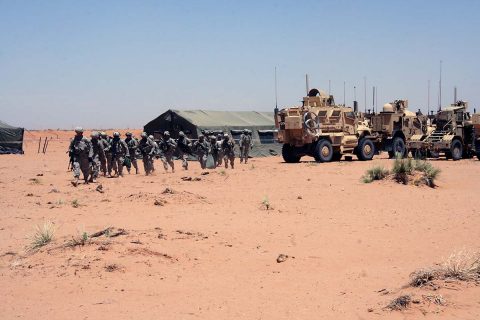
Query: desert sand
209	248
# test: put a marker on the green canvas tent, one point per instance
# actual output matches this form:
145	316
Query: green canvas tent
194	122
11	139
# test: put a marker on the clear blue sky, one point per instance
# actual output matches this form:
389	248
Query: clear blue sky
121	63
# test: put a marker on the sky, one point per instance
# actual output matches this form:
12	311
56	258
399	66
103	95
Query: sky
119	64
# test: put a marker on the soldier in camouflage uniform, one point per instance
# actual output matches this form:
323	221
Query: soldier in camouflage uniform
119	151
132	144
202	148
147	150
81	152
228	148
245	143
214	149
107	165
184	149
98	153
218	145
167	148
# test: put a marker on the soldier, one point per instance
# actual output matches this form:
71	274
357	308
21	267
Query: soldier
245	143
218	144
156	151
214	150
119	151
184	149
147	150
81	153
167	148
201	148
132	144
98	153
228	148
107	164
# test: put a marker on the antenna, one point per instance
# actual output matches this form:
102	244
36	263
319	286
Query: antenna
440	88
365	94
376	98
455	94
428	98
344	93
354	93
306	83
276	99
373	99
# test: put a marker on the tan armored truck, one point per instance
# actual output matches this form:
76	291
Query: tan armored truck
395	125
453	135
323	130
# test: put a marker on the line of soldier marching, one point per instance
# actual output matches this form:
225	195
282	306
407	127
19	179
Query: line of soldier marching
102	154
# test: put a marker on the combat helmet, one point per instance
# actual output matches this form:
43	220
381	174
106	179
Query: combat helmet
78	129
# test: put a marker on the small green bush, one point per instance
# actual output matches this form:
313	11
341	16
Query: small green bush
375	173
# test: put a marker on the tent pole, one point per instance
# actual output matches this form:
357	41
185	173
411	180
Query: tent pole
39	143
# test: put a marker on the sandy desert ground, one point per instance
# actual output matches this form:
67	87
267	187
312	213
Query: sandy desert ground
209	250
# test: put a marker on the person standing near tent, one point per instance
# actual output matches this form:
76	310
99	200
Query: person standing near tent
98	153
81	153
184	148
147	150
228	149
245	143
202	149
167	149
119	151
218	144
132	144
214	150
107	164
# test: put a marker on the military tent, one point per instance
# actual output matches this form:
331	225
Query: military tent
194	122
11	139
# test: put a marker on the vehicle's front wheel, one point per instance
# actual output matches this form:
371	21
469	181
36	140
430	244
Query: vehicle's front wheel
456	149
323	151
365	149
399	147
289	154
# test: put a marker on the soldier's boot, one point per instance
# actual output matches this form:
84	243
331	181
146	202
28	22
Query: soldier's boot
75	181
136	170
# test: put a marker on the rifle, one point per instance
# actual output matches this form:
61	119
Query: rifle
70	161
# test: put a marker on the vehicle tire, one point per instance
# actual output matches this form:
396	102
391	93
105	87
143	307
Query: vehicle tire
391	154
323	151
398	146
456	150
365	149
478	155
289	154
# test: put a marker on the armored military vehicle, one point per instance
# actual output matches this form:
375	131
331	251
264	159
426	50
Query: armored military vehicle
395	125
323	130
453	135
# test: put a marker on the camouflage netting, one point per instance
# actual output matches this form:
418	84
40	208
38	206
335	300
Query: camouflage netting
194	122
11	139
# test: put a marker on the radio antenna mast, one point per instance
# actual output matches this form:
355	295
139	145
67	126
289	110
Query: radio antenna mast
276	97
440	88
306	83
365	93
428	98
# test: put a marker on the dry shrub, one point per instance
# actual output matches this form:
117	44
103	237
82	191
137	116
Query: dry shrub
42	236
400	303
463	265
